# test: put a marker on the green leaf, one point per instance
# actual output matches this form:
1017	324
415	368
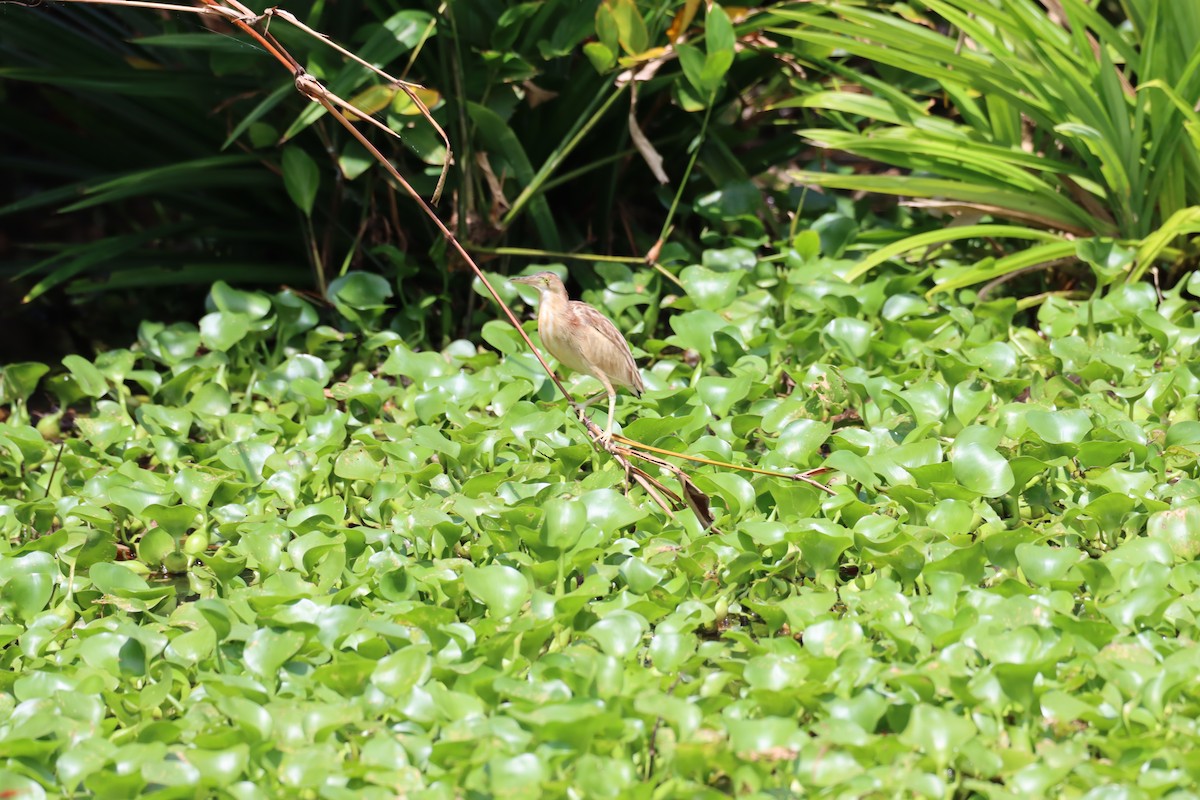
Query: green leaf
221	330
1179	528
718	31
502	589
26	583
563	523
85	375
937	732
620	633
301	178
360	291
1060	427
981	469
267	650
601	58
19	381
356	464
711	290
1043	565
631	29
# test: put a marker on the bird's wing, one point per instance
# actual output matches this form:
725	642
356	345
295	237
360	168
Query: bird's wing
611	352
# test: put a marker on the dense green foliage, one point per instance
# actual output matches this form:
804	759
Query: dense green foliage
194	159
1047	114
1054	128
409	573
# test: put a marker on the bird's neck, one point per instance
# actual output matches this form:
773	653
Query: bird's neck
552	306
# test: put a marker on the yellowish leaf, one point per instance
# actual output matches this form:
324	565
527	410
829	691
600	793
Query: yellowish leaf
641	58
683	18
403	104
371	100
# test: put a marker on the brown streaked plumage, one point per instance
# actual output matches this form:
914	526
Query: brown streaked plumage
584	340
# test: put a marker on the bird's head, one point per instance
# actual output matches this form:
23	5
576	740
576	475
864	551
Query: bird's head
543	282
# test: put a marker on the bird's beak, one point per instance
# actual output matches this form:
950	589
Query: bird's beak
528	280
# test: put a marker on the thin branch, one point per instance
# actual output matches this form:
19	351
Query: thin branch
794	476
407	87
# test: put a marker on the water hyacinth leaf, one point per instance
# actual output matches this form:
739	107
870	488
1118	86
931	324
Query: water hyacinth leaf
221	330
400	672
195	487
328	513
774	673
836	232
220	767
138	497
1179	528
721	394
267	650
356	464
829	638
513	777
563	523
981	469
97	546
211	399
224	297
801	439
937	732
611	511
1043	564
670	649
121	581
360	290
852	336
765	738
85	375
1185	433
176	520
620	633
641	577
711	290
14	784
18	381
968	400
27	583
951	516
246	458
502	589
155	545
734	491
996	360
1060	427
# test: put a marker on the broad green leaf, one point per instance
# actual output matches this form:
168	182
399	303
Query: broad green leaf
89	379
620	633
502	589
1179	528
981	469
301	178
1060	427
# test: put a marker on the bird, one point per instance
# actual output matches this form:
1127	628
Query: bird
584	340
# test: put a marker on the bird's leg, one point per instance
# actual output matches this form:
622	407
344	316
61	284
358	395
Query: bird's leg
612	409
583	406
606	437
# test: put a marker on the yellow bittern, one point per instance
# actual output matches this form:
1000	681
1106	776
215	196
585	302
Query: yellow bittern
584	340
